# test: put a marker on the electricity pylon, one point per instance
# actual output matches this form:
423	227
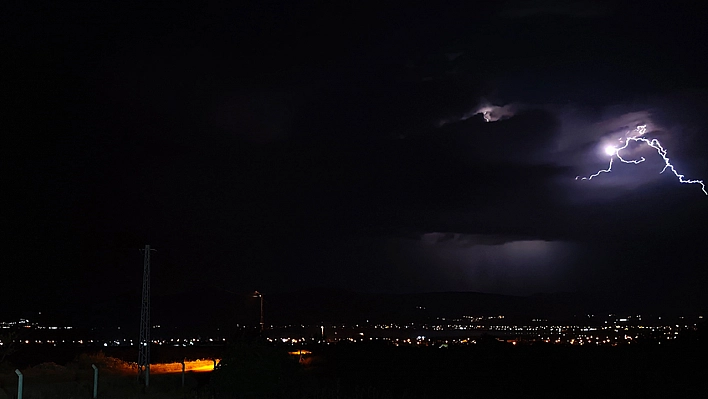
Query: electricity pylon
144	342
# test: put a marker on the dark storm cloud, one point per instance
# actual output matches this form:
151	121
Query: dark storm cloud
519	138
598	226
584	9
262	116
585	135
491	264
467	240
384	106
251	151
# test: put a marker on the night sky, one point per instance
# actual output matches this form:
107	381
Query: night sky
282	145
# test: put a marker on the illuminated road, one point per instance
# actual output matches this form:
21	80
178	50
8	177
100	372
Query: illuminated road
190	365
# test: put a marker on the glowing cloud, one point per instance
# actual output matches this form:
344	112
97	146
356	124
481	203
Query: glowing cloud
493	113
636	136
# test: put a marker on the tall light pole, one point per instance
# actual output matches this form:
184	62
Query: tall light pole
259	295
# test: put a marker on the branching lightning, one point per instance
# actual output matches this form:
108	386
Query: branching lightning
636	136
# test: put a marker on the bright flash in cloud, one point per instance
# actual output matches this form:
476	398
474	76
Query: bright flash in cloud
636	136
493	113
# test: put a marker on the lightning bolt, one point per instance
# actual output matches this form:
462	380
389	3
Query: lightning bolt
596	174
653	143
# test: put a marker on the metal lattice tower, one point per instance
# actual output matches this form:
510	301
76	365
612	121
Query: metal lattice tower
144	342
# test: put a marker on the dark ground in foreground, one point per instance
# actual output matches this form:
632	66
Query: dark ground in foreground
364	370
520	372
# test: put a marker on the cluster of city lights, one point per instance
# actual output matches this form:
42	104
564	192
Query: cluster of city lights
606	330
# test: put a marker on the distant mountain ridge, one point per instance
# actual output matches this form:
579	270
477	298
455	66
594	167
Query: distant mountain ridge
214	308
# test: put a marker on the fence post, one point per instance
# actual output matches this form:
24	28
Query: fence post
95	381
20	381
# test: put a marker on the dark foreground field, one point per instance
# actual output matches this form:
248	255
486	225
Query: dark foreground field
253	370
519	372
117	379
